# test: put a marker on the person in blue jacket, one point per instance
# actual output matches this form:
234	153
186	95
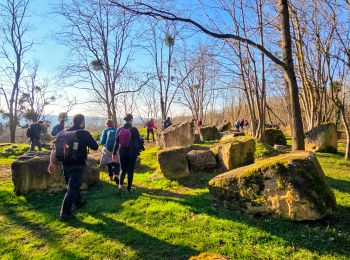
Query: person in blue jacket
108	140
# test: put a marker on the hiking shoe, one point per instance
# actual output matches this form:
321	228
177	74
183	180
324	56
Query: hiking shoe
80	204
120	191
65	217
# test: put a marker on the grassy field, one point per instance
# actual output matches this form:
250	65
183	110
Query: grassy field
167	220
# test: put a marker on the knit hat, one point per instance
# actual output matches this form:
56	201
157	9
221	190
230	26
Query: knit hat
128	117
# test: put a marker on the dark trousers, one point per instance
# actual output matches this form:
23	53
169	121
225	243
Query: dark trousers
73	175
113	170
150	131
35	142
127	163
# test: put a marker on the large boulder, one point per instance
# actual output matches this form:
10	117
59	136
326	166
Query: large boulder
200	160
322	138
235	152
291	186
209	133
173	163
176	135
231	135
225	126
29	174
274	136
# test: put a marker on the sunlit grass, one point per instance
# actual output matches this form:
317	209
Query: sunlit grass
165	219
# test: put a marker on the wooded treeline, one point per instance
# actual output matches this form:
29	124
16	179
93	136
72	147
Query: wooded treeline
270	61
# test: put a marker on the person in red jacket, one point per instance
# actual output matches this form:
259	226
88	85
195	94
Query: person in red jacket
151	125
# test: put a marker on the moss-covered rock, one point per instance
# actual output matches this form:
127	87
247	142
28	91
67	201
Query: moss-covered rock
29	174
173	163
199	160
292	186
176	135
225	126
322	138
274	136
209	133
235	152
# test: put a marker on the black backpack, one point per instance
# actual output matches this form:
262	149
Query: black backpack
29	131
67	145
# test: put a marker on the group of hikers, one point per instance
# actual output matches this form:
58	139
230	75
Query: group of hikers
121	147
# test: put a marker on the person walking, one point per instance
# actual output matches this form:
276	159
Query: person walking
167	123
108	140
237	125
34	132
242	124
58	128
151	125
128	145
70	148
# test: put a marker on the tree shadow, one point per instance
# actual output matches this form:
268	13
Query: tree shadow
340	185
330	235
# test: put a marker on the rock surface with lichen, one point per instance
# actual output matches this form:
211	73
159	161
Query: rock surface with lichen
209	133
274	136
236	152
29	174
322	138
200	160
291	186
176	135
173	163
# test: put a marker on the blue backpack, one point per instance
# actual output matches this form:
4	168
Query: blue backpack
110	141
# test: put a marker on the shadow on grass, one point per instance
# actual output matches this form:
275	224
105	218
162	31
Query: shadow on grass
314	236
145	245
340	185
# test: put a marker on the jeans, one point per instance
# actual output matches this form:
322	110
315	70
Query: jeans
73	175
113	170
150	131
127	163
35	142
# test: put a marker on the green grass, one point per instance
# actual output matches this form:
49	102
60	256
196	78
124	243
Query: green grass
166	219
11	151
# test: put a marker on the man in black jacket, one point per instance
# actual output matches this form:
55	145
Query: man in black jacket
35	132
73	171
129	145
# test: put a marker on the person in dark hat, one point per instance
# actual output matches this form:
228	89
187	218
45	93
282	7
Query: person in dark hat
129	145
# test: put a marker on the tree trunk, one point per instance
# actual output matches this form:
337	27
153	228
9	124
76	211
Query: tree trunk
290	78
347	131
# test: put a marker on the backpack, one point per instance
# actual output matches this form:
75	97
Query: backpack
110	141
124	137
67	144
55	130
237	124
29	131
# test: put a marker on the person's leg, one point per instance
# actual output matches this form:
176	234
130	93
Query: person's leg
74	177
110	171
148	132
39	145
116	170
32	145
123	154
131	168
152	132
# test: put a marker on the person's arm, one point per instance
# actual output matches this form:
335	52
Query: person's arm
90	142
103	137
52	166
116	144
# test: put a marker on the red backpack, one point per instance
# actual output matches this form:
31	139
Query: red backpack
124	137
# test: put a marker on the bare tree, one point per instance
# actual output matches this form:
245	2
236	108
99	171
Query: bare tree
286	63
14	47
35	95
99	37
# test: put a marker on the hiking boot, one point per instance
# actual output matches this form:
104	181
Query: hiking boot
65	217
80	204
